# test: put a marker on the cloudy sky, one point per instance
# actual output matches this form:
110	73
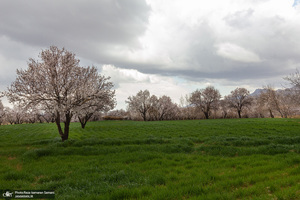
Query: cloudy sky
170	47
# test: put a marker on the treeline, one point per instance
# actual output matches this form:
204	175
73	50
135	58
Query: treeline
19	115
207	103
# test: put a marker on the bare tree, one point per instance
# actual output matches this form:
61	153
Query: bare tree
288	101
272	100
117	115
9	115
205	100
40	116
224	108
19	114
87	111
153	111
186	110
48	117
258	108
2	113
162	108
294	80
30	116
140	103
15	115
166	108
238	99
103	103
55	83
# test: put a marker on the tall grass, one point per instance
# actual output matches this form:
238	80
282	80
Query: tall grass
200	159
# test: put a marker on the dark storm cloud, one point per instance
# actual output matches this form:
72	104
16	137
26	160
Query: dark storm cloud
83	26
240	73
91	29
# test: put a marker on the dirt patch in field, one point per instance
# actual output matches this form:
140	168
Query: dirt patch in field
11	158
19	167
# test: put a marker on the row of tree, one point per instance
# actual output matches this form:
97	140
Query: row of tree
201	104
151	107
208	103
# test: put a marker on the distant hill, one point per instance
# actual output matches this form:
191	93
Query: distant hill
257	92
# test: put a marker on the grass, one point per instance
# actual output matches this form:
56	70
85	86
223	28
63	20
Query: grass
199	159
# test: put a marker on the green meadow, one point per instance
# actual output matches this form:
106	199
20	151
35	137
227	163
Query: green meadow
197	159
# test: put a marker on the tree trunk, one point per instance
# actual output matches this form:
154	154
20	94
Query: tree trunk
161	118
63	134
84	120
206	115
144	116
271	114
67	126
65	137
281	114
57	121
239	113
83	125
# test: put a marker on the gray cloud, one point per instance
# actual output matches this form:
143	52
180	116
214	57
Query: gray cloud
236	42
84	27
246	42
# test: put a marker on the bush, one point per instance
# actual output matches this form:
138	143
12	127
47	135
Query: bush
113	118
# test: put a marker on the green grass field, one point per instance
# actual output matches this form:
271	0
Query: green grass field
199	159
